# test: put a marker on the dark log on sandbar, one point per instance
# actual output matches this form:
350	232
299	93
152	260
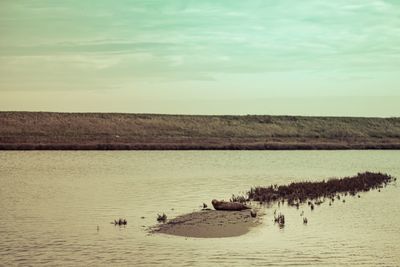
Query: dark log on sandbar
224	205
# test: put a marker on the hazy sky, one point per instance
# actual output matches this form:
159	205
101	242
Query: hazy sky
306	57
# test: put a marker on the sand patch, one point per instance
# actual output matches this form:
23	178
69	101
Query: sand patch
210	224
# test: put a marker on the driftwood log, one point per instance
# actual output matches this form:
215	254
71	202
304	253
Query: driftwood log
224	205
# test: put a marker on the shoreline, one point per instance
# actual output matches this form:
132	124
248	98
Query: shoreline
119	131
162	147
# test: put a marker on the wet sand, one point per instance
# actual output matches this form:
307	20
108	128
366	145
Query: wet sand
210	224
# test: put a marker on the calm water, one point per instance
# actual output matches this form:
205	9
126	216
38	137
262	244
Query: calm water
52	202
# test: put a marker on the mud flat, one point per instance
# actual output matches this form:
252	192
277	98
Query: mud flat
209	224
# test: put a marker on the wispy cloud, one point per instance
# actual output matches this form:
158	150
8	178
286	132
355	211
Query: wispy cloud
197	40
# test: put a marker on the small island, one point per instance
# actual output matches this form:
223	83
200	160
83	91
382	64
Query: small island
209	223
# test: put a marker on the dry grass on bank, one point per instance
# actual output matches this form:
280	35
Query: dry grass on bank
152	131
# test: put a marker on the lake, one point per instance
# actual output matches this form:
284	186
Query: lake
56	208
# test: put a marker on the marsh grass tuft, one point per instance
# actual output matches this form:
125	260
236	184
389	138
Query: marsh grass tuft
302	192
239	198
162	218
120	222
280	219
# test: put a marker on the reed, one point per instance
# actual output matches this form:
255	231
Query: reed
120	222
162	218
280	220
301	192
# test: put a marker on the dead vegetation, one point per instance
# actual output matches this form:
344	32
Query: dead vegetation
301	192
107	131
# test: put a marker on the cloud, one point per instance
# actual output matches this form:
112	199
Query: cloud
197	40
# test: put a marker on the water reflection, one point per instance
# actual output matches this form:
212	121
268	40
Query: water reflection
63	203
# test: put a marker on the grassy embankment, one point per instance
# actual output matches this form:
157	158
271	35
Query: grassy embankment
108	131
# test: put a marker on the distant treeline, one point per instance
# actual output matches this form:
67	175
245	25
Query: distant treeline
115	131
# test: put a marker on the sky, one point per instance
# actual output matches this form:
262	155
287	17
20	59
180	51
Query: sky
287	57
